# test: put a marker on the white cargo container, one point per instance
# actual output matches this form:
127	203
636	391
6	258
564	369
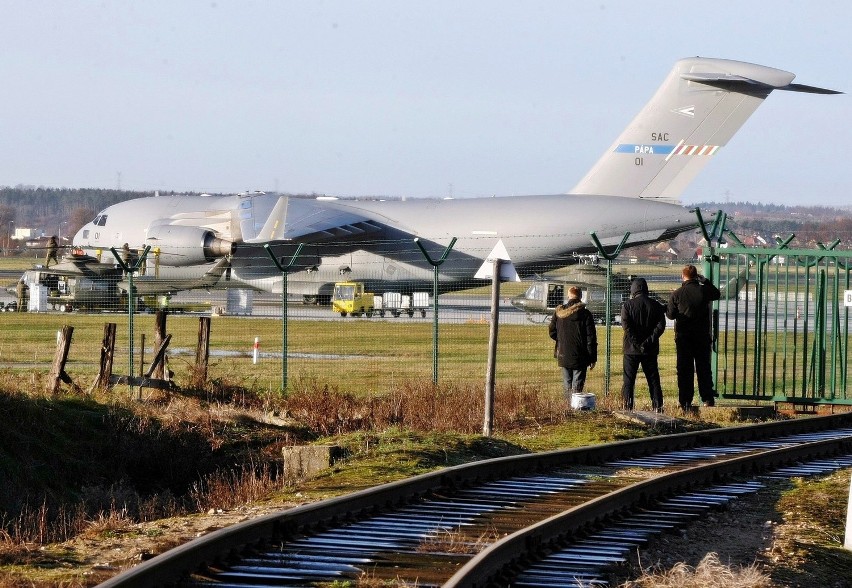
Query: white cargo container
38	298
396	303
239	301
420	302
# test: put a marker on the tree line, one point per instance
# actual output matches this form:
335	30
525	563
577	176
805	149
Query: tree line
56	210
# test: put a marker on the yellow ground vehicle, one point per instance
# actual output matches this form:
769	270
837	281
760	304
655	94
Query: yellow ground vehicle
350	298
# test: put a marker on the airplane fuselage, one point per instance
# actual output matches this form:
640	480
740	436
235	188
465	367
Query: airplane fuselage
538	232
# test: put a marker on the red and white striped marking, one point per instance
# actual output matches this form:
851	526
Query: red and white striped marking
681	149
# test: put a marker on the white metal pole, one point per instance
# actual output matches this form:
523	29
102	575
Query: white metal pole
848	542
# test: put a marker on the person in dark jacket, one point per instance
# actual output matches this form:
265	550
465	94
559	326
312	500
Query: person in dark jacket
573	328
643	320
689	308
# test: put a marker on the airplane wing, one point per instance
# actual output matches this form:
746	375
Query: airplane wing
313	220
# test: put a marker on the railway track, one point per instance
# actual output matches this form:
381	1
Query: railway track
552	519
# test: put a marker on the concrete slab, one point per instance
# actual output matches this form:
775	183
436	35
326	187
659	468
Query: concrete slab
646	417
304	461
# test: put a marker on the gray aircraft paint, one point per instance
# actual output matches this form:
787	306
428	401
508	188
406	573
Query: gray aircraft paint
696	111
632	188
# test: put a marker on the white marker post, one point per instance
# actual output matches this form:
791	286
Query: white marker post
256	347
848	542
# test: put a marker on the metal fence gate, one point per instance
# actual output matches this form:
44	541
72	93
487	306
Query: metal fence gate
782	323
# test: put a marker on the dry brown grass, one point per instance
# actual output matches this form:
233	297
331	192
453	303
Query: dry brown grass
421	407
709	573
227	489
42	524
455	541
108	522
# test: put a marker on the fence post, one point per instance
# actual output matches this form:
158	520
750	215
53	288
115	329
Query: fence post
159	335
492	349
107	356
283	269
609	257
57	371
435	265
202	353
129	269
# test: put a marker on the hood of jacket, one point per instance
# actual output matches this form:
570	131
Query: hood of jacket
570	308
638	286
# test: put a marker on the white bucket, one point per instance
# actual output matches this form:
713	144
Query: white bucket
582	401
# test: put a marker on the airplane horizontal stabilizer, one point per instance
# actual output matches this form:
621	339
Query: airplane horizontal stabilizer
743	84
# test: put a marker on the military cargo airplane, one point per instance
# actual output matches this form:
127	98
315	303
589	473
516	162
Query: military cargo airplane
633	188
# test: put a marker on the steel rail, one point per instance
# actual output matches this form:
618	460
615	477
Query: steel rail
493	564
170	567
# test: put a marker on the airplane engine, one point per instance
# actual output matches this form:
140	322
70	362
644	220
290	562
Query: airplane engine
181	245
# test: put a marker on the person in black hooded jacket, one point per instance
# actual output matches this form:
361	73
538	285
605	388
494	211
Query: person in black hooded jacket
643	320
573	328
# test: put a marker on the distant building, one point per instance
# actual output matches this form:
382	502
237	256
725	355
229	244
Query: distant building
24	234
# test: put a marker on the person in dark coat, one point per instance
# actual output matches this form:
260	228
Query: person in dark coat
689	308
573	328
643	320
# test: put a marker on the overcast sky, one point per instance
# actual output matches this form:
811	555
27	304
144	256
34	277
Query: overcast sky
438	98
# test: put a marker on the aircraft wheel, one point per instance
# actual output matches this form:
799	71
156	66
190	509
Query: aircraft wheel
422	314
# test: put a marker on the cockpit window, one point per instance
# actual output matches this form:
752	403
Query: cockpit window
100	220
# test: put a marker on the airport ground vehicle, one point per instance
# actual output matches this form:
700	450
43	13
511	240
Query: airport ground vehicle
351	298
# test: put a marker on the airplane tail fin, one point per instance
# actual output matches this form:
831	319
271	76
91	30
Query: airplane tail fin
696	111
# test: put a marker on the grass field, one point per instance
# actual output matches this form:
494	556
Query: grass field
361	357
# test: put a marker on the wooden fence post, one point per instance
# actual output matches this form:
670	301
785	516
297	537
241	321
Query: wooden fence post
107	355
57	371
202	353
160	367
